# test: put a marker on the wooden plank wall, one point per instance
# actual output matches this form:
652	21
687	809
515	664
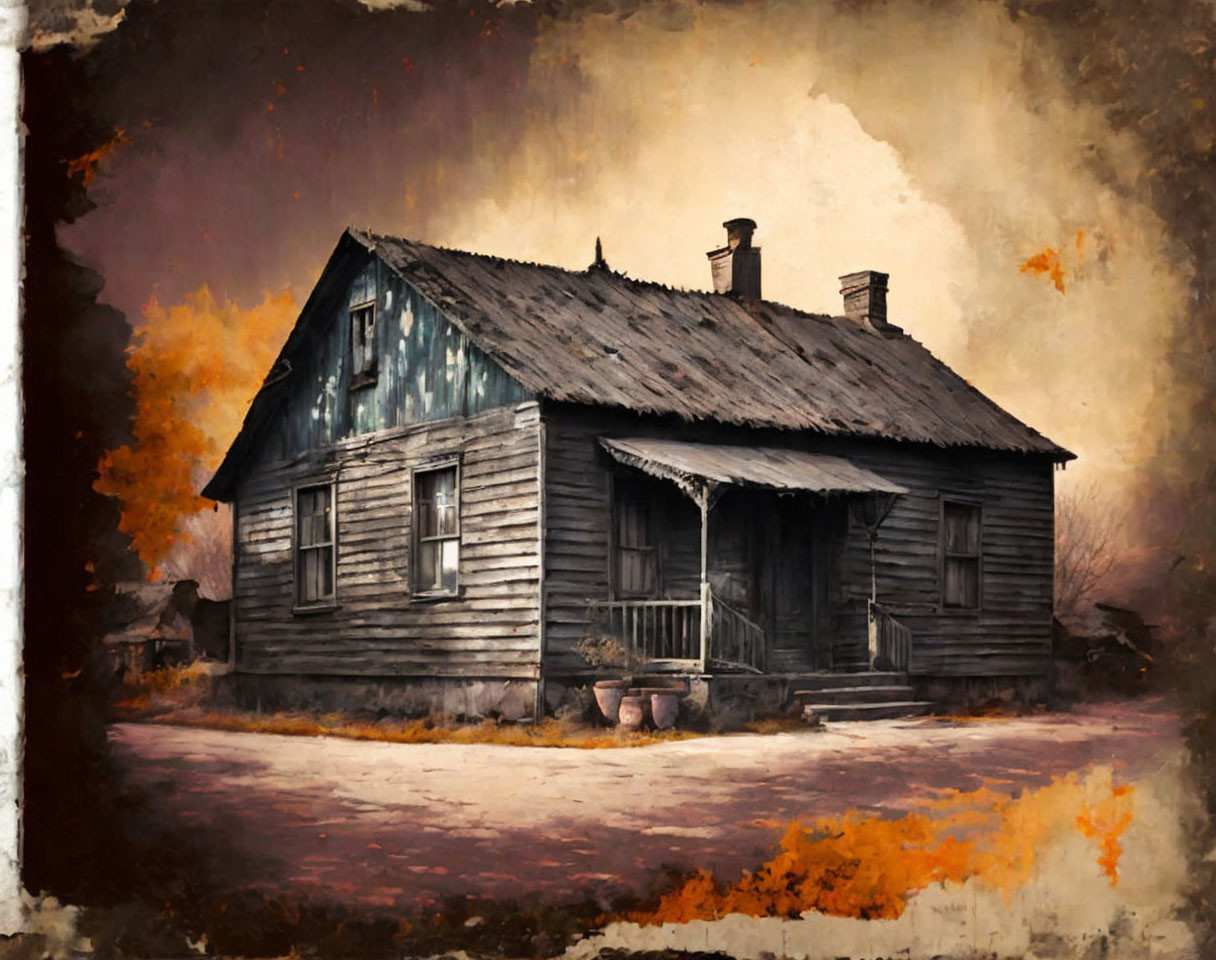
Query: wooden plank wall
491	630
577	534
426	370
1009	635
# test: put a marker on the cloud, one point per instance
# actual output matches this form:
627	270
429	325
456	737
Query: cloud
936	144
941	144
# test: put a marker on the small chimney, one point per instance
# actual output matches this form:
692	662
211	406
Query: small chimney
736	266
865	298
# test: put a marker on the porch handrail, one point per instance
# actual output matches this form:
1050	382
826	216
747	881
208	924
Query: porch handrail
894	639
664	632
667	633
735	640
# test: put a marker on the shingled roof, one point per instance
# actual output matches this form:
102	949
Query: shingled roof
598	337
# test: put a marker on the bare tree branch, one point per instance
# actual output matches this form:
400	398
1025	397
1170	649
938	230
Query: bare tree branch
1085	546
204	554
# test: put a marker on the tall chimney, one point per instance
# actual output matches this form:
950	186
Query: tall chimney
736	266
865	298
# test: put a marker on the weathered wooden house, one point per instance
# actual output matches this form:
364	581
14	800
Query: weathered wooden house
461	467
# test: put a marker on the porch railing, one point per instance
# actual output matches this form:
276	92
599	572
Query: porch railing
667	633
894	640
735	641
664	632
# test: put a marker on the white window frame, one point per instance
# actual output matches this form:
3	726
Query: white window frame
322	603
366	375
416	538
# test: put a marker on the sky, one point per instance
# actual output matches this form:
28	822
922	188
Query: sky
950	145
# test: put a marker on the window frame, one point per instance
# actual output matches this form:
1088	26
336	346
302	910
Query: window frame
325	603
417	540
366	376
614	565
943	556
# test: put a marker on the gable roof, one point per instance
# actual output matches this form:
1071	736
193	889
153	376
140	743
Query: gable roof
598	337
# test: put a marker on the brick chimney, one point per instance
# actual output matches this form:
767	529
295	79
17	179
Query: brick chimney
865	298
736	266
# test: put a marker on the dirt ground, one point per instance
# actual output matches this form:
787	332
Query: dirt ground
404	827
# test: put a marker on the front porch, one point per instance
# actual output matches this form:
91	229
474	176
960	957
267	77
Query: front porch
724	561
670	636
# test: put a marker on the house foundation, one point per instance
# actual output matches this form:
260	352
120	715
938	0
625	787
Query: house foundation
717	698
457	698
980	691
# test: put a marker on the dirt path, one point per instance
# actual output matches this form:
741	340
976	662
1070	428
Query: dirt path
406	826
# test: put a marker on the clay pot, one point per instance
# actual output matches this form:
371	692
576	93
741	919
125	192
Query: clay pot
608	694
664	708
633	712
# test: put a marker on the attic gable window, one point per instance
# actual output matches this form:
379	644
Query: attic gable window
961	555
363	345
436	531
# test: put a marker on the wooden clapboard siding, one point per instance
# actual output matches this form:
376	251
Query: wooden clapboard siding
491	630
1008	635
1010	632
577	535
434	396
426	369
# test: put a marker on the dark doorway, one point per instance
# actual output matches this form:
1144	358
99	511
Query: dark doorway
791	562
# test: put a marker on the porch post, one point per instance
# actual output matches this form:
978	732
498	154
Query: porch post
706	598
871	613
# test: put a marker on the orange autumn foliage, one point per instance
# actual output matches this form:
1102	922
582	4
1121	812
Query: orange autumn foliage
868	867
85	166
1047	262
195	368
1108	820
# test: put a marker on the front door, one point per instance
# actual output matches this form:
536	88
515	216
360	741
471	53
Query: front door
792	581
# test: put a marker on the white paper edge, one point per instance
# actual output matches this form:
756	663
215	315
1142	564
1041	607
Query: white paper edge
12	32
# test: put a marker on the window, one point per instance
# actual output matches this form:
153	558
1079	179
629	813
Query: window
436	530
314	546
363	345
637	556
960	555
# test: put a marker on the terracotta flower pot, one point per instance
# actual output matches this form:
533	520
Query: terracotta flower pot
633	712
644	694
664	708
608	694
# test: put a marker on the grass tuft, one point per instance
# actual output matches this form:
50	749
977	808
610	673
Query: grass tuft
547	733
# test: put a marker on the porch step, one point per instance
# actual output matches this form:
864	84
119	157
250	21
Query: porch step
889	710
873	693
835	681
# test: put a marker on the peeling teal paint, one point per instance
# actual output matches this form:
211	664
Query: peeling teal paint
426	369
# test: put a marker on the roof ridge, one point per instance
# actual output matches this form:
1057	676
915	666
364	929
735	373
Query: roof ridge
556	268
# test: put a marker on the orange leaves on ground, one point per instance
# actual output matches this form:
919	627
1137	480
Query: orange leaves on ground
184	703
85	166
1107	821
1047	262
868	867
195	367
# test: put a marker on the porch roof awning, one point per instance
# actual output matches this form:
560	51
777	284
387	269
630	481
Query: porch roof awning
692	465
